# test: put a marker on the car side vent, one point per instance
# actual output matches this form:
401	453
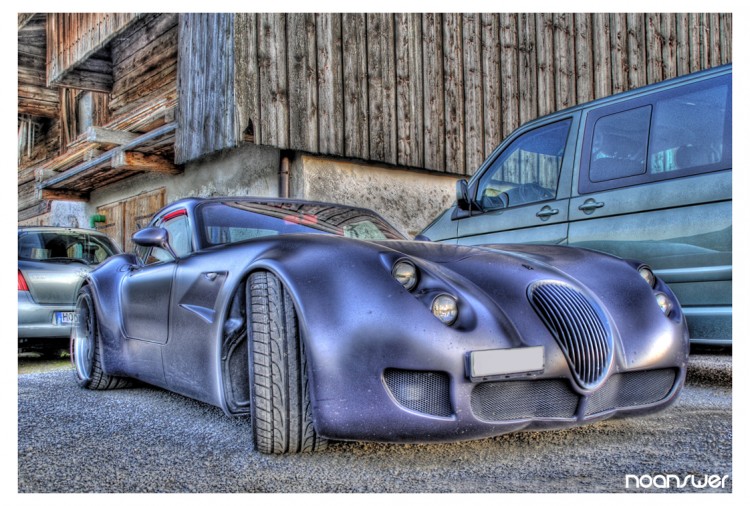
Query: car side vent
578	328
424	391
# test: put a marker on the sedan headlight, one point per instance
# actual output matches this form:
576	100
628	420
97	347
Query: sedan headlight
405	273
445	308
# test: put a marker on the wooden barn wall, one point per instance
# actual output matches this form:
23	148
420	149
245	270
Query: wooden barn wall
73	37
206	107
144	63
434	91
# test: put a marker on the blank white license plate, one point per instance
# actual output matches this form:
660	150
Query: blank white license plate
64	317
507	361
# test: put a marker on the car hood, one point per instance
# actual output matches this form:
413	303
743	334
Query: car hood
53	282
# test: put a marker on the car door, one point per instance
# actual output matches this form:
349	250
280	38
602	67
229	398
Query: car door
655	185
147	289
523	192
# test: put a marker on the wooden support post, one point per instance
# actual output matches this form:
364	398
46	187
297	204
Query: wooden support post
132	160
50	194
101	135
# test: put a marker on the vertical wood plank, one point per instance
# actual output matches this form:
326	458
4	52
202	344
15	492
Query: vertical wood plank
330	88
545	64
434	95
654	48
602	55
247	87
493	124
473	93
409	88
619	34
455	160
725	24
714	34
705	44
303	82
584	58
682	31
694	41
565	86
669	46
274	98
356	122
527	66
381	86
636	50
509	72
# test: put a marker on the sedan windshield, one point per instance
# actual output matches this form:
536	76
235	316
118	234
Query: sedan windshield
64	246
233	221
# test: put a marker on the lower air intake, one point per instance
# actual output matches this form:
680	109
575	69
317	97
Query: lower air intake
632	389
521	400
424	391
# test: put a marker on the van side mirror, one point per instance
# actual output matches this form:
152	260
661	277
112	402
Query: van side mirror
462	195
154	237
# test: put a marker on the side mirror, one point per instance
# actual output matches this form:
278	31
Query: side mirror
154	237
462	195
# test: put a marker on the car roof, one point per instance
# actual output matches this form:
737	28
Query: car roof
47	228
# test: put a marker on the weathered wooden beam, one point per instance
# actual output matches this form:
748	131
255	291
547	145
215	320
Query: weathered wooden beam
101	135
24	18
85	80
48	194
133	160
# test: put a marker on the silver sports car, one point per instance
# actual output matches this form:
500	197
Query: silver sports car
52	263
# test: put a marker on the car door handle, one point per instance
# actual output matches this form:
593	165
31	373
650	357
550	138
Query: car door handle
590	205
545	212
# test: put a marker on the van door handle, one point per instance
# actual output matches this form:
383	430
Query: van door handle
590	205
545	212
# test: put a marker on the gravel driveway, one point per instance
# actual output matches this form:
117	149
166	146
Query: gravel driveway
149	440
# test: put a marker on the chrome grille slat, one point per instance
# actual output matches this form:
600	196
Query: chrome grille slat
577	326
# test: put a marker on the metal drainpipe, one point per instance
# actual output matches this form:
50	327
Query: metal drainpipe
284	177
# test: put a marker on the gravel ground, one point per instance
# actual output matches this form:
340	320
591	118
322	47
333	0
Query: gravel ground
149	440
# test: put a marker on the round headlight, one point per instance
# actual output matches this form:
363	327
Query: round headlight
648	275
445	308
405	273
664	303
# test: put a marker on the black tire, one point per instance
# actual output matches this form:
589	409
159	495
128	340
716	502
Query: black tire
85	349
281	411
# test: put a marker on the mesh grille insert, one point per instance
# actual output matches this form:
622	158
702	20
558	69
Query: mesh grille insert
426	392
575	322
518	400
631	389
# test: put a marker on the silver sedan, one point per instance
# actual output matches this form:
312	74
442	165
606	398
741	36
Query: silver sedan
52	263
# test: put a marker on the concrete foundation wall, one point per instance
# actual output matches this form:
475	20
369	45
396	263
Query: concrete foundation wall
408	199
247	170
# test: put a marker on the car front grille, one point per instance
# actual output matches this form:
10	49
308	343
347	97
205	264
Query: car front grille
631	389
518	400
423	391
576	324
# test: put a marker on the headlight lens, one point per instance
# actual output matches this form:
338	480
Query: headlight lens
664	303
648	275
445	308
405	273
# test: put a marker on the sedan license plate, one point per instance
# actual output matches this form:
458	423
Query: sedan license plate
64	317
503	362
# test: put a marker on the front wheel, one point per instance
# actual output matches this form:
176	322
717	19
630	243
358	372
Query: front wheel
281	411
85	351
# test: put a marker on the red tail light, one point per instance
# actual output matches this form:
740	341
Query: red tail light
22	286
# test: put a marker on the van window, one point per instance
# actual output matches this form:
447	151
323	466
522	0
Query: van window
620	144
678	132
527	170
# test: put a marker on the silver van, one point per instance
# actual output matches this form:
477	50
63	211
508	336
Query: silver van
645	174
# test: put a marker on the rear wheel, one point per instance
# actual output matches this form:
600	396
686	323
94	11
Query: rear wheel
85	350
281	411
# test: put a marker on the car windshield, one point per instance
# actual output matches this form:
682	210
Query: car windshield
233	221
64	246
